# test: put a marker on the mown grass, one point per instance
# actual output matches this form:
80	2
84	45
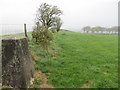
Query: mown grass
78	60
75	60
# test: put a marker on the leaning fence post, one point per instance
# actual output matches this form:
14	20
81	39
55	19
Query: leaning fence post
25	30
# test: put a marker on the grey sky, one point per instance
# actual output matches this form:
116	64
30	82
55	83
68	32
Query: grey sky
76	13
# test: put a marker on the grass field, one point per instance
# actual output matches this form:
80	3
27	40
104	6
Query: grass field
78	61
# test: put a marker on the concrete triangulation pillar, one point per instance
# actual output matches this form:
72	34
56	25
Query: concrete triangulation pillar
17	66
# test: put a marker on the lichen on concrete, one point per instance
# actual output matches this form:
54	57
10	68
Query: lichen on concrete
17	67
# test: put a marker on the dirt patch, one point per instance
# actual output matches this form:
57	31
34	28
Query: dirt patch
90	82
44	80
37	75
41	76
46	86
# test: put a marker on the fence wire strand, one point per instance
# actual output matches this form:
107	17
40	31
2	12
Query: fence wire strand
6	29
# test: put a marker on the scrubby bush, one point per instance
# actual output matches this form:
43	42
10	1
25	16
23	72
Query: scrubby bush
48	21
42	36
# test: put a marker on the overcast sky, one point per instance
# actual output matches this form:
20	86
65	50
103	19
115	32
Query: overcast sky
76	13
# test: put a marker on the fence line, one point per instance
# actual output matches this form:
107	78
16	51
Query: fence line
14	28
6	29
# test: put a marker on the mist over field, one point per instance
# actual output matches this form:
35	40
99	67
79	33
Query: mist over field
59	43
76	13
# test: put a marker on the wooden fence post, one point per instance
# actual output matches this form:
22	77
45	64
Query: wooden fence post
25	30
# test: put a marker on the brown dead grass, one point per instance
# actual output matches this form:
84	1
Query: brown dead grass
46	86
5	86
41	76
87	85
35	57
37	75
44	80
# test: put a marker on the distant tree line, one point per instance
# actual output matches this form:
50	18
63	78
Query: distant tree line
101	30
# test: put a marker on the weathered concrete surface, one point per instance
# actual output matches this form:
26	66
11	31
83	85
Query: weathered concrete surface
17	67
0	63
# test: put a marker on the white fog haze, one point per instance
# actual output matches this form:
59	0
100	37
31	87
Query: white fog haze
76	13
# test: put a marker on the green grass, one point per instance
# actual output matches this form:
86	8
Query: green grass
16	35
77	59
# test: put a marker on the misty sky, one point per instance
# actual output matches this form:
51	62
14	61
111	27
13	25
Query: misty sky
76	13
